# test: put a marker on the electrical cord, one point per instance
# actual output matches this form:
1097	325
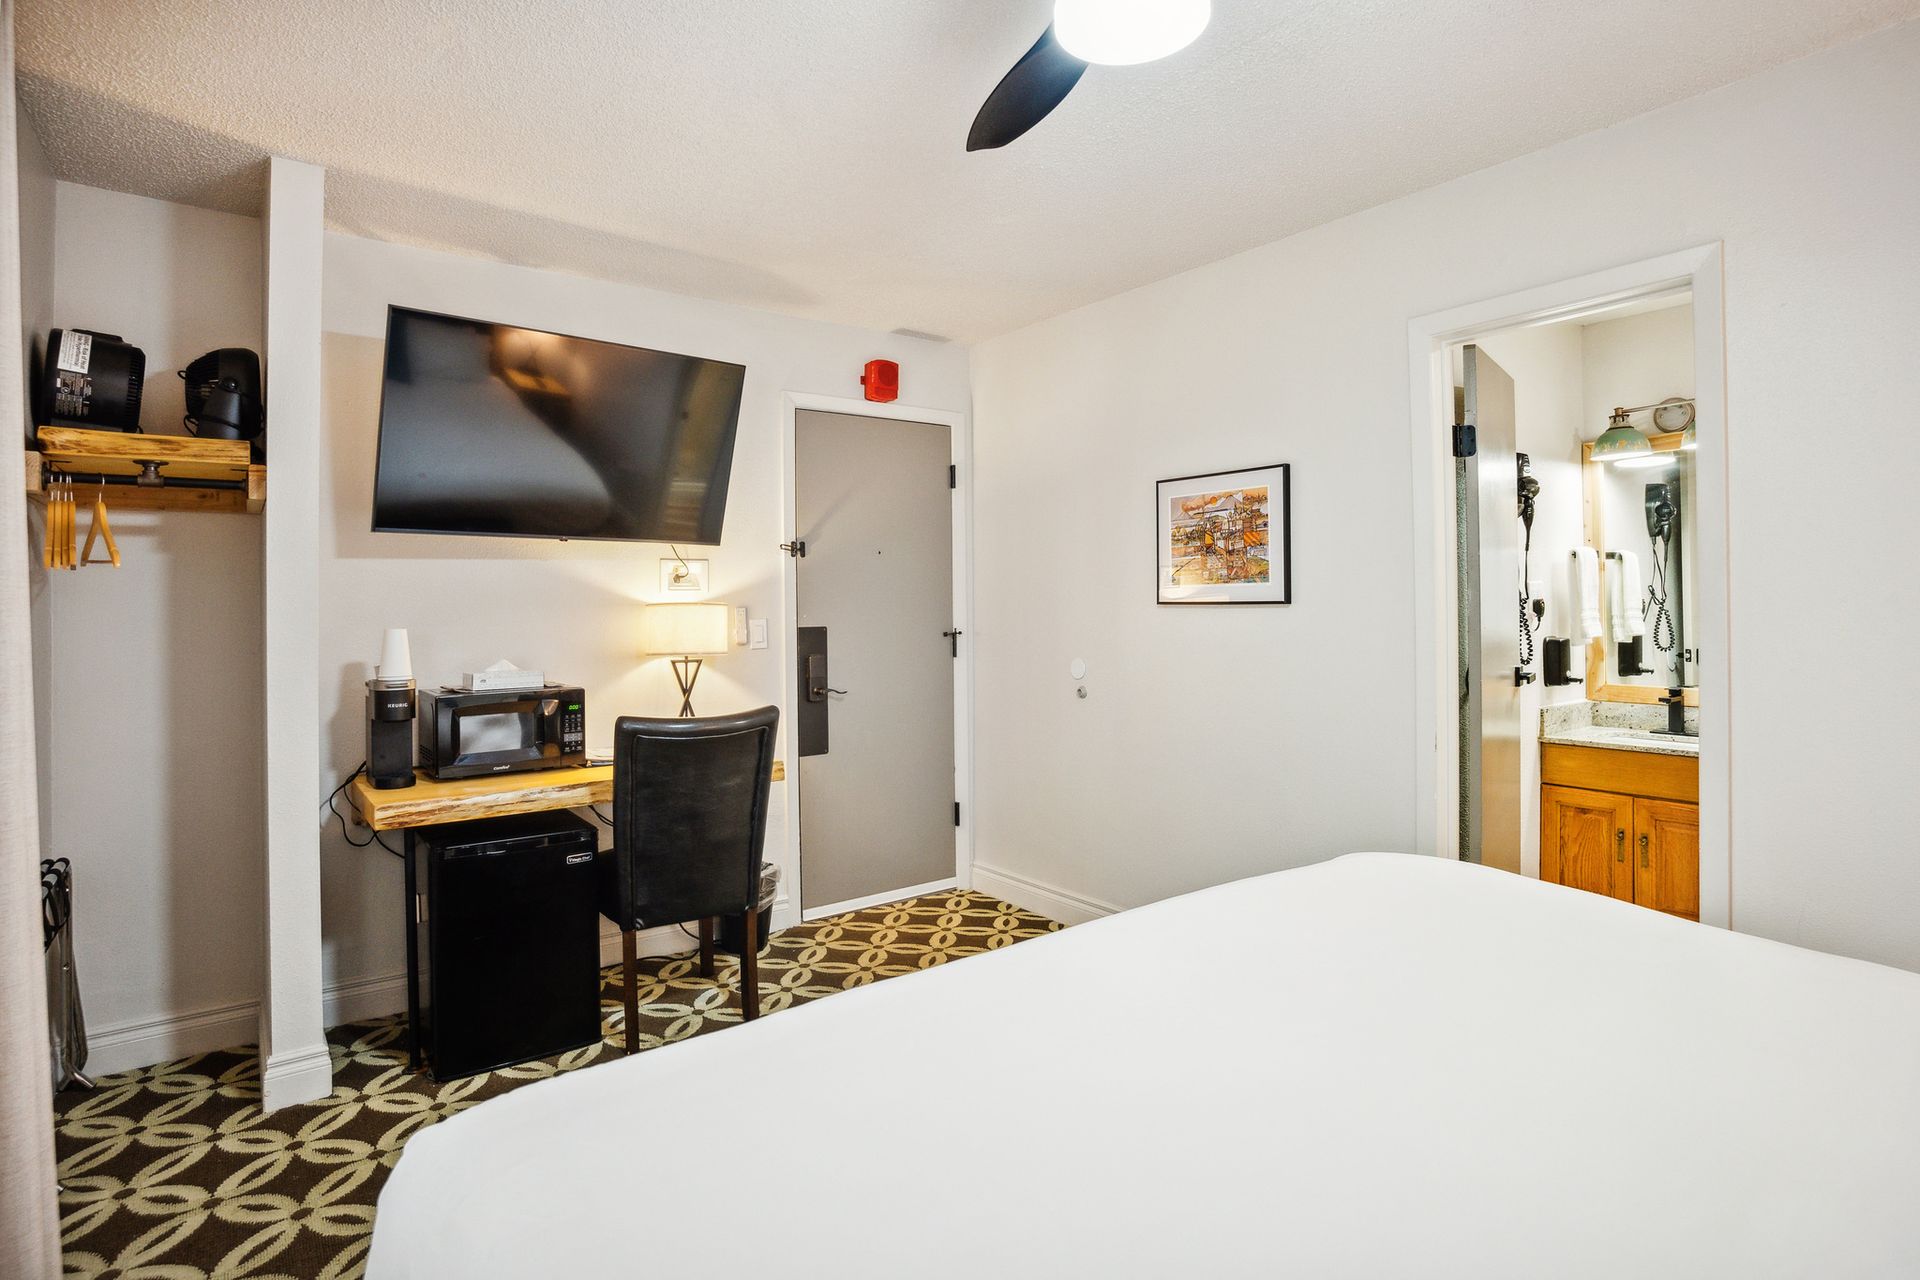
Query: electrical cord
1531	615
1656	611
373	837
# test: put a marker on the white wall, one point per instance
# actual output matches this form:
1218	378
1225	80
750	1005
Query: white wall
155	735
569	608
1297	351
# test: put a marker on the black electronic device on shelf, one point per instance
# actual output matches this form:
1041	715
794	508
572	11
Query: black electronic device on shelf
513	940
91	380
224	402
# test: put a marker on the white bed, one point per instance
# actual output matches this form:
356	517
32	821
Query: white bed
1380	1066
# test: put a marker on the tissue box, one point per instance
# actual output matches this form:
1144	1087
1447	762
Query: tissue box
495	680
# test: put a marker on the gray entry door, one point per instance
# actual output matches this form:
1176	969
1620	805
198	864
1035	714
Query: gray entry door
1489	574
873	504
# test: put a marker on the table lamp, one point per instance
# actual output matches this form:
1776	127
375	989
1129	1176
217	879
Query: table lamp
684	632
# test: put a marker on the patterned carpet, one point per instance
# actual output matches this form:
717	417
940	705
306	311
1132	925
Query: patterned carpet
173	1173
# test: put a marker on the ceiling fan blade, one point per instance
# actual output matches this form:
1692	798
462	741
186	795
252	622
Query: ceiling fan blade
1038	82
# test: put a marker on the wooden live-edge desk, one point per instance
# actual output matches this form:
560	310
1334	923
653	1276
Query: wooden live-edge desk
429	802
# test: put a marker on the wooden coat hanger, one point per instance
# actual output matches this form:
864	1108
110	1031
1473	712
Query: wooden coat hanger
100	528
52	531
68	558
59	548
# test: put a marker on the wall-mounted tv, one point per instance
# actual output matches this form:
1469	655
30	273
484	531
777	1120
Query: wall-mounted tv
491	429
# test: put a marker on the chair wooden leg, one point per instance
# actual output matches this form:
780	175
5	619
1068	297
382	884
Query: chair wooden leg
750	966
630	979
706	946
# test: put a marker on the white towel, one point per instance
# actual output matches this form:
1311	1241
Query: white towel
1623	597
1586	591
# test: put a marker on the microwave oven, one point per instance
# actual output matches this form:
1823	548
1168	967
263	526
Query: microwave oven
467	735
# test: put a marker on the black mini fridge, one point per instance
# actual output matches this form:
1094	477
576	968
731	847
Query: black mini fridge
513	941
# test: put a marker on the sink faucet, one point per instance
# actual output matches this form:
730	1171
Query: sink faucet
1677	713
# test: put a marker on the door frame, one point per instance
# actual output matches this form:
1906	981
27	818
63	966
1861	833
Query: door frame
960	445
1430	416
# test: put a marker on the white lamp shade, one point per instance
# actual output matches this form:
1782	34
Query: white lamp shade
1120	33
684	630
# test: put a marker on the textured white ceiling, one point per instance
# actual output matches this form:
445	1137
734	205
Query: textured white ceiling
807	155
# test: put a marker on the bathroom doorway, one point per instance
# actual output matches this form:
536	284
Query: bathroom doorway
1573	444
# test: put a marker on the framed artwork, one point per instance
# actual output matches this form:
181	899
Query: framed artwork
1226	537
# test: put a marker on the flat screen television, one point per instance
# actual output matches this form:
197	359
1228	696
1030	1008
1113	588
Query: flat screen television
492	429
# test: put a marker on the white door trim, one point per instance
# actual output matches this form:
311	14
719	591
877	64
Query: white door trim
1430	403
960	435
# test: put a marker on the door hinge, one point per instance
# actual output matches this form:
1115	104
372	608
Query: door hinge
953	477
796	549
1464	445
954	637
956	813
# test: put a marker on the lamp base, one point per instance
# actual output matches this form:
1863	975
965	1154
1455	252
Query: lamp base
686	671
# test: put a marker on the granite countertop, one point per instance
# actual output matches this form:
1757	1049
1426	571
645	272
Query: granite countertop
1617	727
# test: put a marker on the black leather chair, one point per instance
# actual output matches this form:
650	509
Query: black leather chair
689	821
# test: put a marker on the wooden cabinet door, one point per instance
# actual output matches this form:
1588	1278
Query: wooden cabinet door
1583	840
1666	873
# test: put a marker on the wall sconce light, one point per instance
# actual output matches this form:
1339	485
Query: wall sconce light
1624	445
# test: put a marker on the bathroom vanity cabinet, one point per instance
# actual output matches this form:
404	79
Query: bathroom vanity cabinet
1623	823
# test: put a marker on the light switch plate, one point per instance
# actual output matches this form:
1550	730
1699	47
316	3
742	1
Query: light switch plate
757	630
739	624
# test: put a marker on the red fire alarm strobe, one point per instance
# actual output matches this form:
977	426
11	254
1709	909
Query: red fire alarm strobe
882	380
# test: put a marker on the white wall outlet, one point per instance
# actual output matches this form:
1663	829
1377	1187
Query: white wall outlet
740	624
683	577
757	629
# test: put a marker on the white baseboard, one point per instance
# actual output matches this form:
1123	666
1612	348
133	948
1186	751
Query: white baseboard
1041	899
297	1076
128	1046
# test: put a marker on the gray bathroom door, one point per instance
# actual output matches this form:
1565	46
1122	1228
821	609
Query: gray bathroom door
1489	574
874	505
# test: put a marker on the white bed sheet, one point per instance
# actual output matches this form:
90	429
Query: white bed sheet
1383	1065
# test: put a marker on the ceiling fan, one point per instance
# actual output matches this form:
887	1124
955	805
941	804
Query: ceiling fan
1116	33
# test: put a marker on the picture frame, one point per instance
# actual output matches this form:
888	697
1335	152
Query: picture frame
1225	537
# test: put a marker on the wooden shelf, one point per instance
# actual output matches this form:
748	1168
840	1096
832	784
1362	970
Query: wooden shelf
84	455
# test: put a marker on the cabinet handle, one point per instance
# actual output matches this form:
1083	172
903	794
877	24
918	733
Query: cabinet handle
1643	851
1620	844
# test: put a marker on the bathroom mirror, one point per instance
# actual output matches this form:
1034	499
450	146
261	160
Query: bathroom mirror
1641	525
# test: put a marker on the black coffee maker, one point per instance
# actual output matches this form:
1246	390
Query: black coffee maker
390	706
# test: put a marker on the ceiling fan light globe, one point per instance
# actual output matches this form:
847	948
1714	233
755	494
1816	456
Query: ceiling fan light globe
1124	33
